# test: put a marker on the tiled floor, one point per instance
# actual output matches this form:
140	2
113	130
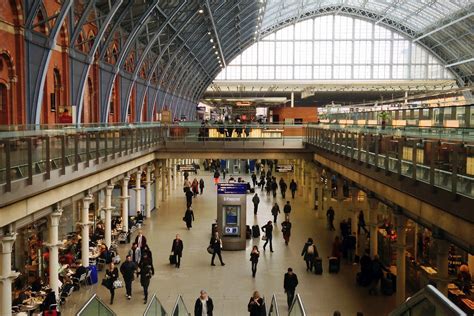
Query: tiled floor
232	285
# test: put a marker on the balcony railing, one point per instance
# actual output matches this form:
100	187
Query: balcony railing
440	163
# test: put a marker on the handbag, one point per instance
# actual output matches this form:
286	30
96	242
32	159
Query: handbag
210	250
105	282
264	237
117	284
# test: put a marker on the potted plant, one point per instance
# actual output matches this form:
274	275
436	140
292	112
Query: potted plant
384	116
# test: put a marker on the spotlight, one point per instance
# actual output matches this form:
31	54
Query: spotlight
201	11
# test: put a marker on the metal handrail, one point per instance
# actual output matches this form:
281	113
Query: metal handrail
151	302
298	301
175	307
273	310
95	297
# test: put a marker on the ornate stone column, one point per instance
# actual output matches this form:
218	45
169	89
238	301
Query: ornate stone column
6	274
372	210
108	215
125	198
54	251
168	173
163	180
148	191
442	253
138	189
85	230
312	188
157	183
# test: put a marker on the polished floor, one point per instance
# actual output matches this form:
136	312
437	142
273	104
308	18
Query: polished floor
231	285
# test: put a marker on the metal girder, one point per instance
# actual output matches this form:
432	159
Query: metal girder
121	58
90	59
80	23
216	33
460	62
444	26
139	64
38	56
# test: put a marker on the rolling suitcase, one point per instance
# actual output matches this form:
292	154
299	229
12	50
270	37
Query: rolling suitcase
255	231
94	275
333	265
318	265
248	232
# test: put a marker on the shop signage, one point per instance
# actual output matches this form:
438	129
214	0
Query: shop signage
284	168
189	167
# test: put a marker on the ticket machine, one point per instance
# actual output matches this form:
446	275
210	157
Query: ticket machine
231	214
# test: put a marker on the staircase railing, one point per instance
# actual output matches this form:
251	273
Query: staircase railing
297	308
154	307
95	306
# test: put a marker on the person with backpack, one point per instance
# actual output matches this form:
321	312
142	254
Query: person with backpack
255	201
275	211
309	253
201	186
293	188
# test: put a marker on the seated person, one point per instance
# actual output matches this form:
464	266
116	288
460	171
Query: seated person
79	271
139	218
36	285
21	296
49	300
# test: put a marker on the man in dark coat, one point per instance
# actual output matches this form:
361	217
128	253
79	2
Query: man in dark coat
203	305
177	249
330	216
290	283
287	209
254	179
268	230
255	201
127	269
293	188
189	197
283	187
216	245
146	271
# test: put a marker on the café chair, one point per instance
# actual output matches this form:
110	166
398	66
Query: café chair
100	264
81	279
88	277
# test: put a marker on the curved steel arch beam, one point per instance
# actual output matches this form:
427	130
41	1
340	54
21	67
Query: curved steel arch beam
139	64
168	44
79	98
78	27
121	59
38	56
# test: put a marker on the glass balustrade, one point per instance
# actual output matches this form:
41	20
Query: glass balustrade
180	308
95	307
273	310
154	308
297	308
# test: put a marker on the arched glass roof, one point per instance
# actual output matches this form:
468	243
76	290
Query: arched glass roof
334	47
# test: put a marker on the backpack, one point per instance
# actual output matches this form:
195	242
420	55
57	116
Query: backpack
310	249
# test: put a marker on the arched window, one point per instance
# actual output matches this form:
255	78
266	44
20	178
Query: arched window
56	94
335	47
3	104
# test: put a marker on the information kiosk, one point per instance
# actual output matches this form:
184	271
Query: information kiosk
231	214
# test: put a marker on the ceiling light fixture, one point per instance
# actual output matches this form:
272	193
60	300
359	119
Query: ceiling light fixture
201	11
212	41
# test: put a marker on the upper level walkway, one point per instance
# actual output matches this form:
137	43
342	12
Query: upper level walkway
432	166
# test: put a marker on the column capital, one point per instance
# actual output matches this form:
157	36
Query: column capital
55	216
12	276
87	198
109	188
6	243
126	178
107	209
137	188
83	224
124	197
52	245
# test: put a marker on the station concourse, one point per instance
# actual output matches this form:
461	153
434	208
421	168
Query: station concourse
113	115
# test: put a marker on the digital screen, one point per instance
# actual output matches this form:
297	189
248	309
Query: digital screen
231	214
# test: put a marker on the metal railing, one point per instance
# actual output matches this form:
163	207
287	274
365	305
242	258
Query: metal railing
95	307
401	155
180	308
273	310
297	307
154	307
428	301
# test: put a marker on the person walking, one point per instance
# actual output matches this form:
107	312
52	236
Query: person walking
361	223
204	305
287	209
289	284
283	187
216	245
177	250
256	305
350	242
128	269
268	230
255	201
330	216
201	186
376	274
135	253
309	253
336	248
189	217
146	272
286	229
261	184
216	176
293	188
111	275
189	197
275	211
140	240
195	187
254	254
274	187
254	179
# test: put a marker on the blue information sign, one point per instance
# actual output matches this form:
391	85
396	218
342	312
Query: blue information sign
231	188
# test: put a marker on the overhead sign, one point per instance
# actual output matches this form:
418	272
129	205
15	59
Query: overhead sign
284	168
231	188
189	167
